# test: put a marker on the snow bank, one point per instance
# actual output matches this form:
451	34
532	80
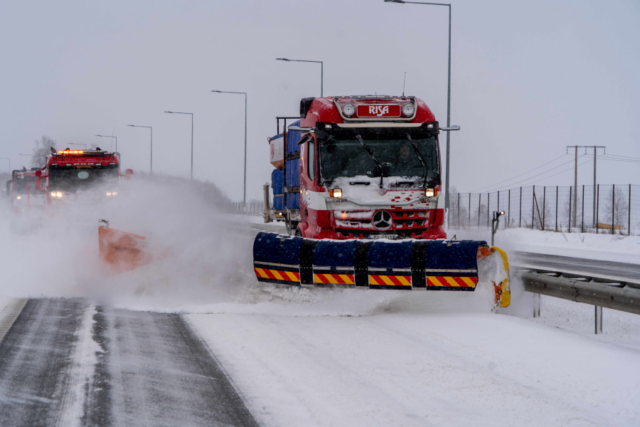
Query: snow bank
605	247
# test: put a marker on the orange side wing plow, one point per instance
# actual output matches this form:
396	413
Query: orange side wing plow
122	251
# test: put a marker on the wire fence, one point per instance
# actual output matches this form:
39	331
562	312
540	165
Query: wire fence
611	209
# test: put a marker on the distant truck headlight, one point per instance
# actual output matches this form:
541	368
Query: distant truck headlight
408	109
59	194
336	192
108	194
348	109
430	192
19	197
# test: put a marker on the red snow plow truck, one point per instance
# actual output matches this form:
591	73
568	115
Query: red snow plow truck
357	183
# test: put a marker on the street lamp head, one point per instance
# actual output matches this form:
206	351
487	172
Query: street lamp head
169	112
132	126
282	59
394	1
217	91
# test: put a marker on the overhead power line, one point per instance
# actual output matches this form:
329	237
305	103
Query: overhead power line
531	178
517	176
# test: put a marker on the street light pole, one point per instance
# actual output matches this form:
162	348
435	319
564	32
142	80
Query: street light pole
112	137
151	156
315	62
448	150
178	112
244	191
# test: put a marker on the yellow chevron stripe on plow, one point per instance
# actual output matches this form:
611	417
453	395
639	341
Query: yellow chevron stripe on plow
388	281
372	281
346	279
331	279
404	281
434	281
468	281
452	282
292	276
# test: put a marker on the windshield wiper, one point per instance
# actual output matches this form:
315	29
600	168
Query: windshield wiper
368	150
424	164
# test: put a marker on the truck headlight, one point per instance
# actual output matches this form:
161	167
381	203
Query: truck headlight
59	194
431	192
336	192
19	197
408	109
348	109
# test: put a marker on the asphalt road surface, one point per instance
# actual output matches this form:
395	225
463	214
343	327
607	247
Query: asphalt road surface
65	362
581	265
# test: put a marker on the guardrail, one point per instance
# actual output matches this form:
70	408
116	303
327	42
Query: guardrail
614	296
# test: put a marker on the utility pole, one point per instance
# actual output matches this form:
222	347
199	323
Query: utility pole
575	193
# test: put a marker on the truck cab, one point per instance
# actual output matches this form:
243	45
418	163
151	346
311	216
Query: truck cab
360	167
92	174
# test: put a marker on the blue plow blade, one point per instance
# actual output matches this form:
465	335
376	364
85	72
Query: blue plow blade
404	265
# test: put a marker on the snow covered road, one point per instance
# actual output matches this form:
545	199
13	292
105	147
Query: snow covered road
68	363
398	367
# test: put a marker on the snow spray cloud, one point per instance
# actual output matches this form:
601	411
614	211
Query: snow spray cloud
197	257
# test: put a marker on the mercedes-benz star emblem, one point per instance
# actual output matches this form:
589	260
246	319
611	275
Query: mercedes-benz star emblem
382	219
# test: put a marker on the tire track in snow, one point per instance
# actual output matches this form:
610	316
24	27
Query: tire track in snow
35	359
154	371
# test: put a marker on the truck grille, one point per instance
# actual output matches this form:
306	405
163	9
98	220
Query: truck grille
405	223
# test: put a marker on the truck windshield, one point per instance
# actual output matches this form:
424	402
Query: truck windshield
348	158
73	179
21	184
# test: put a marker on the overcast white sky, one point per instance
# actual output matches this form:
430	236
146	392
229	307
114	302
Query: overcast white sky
529	78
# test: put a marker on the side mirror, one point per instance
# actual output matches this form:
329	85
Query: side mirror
452	127
38	173
129	172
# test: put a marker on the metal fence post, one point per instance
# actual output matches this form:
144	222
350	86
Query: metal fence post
469	210
520	210
533	205
598	209
582	225
488	208
458	210
479	205
629	229
509	210
570	188
613	209
544	205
